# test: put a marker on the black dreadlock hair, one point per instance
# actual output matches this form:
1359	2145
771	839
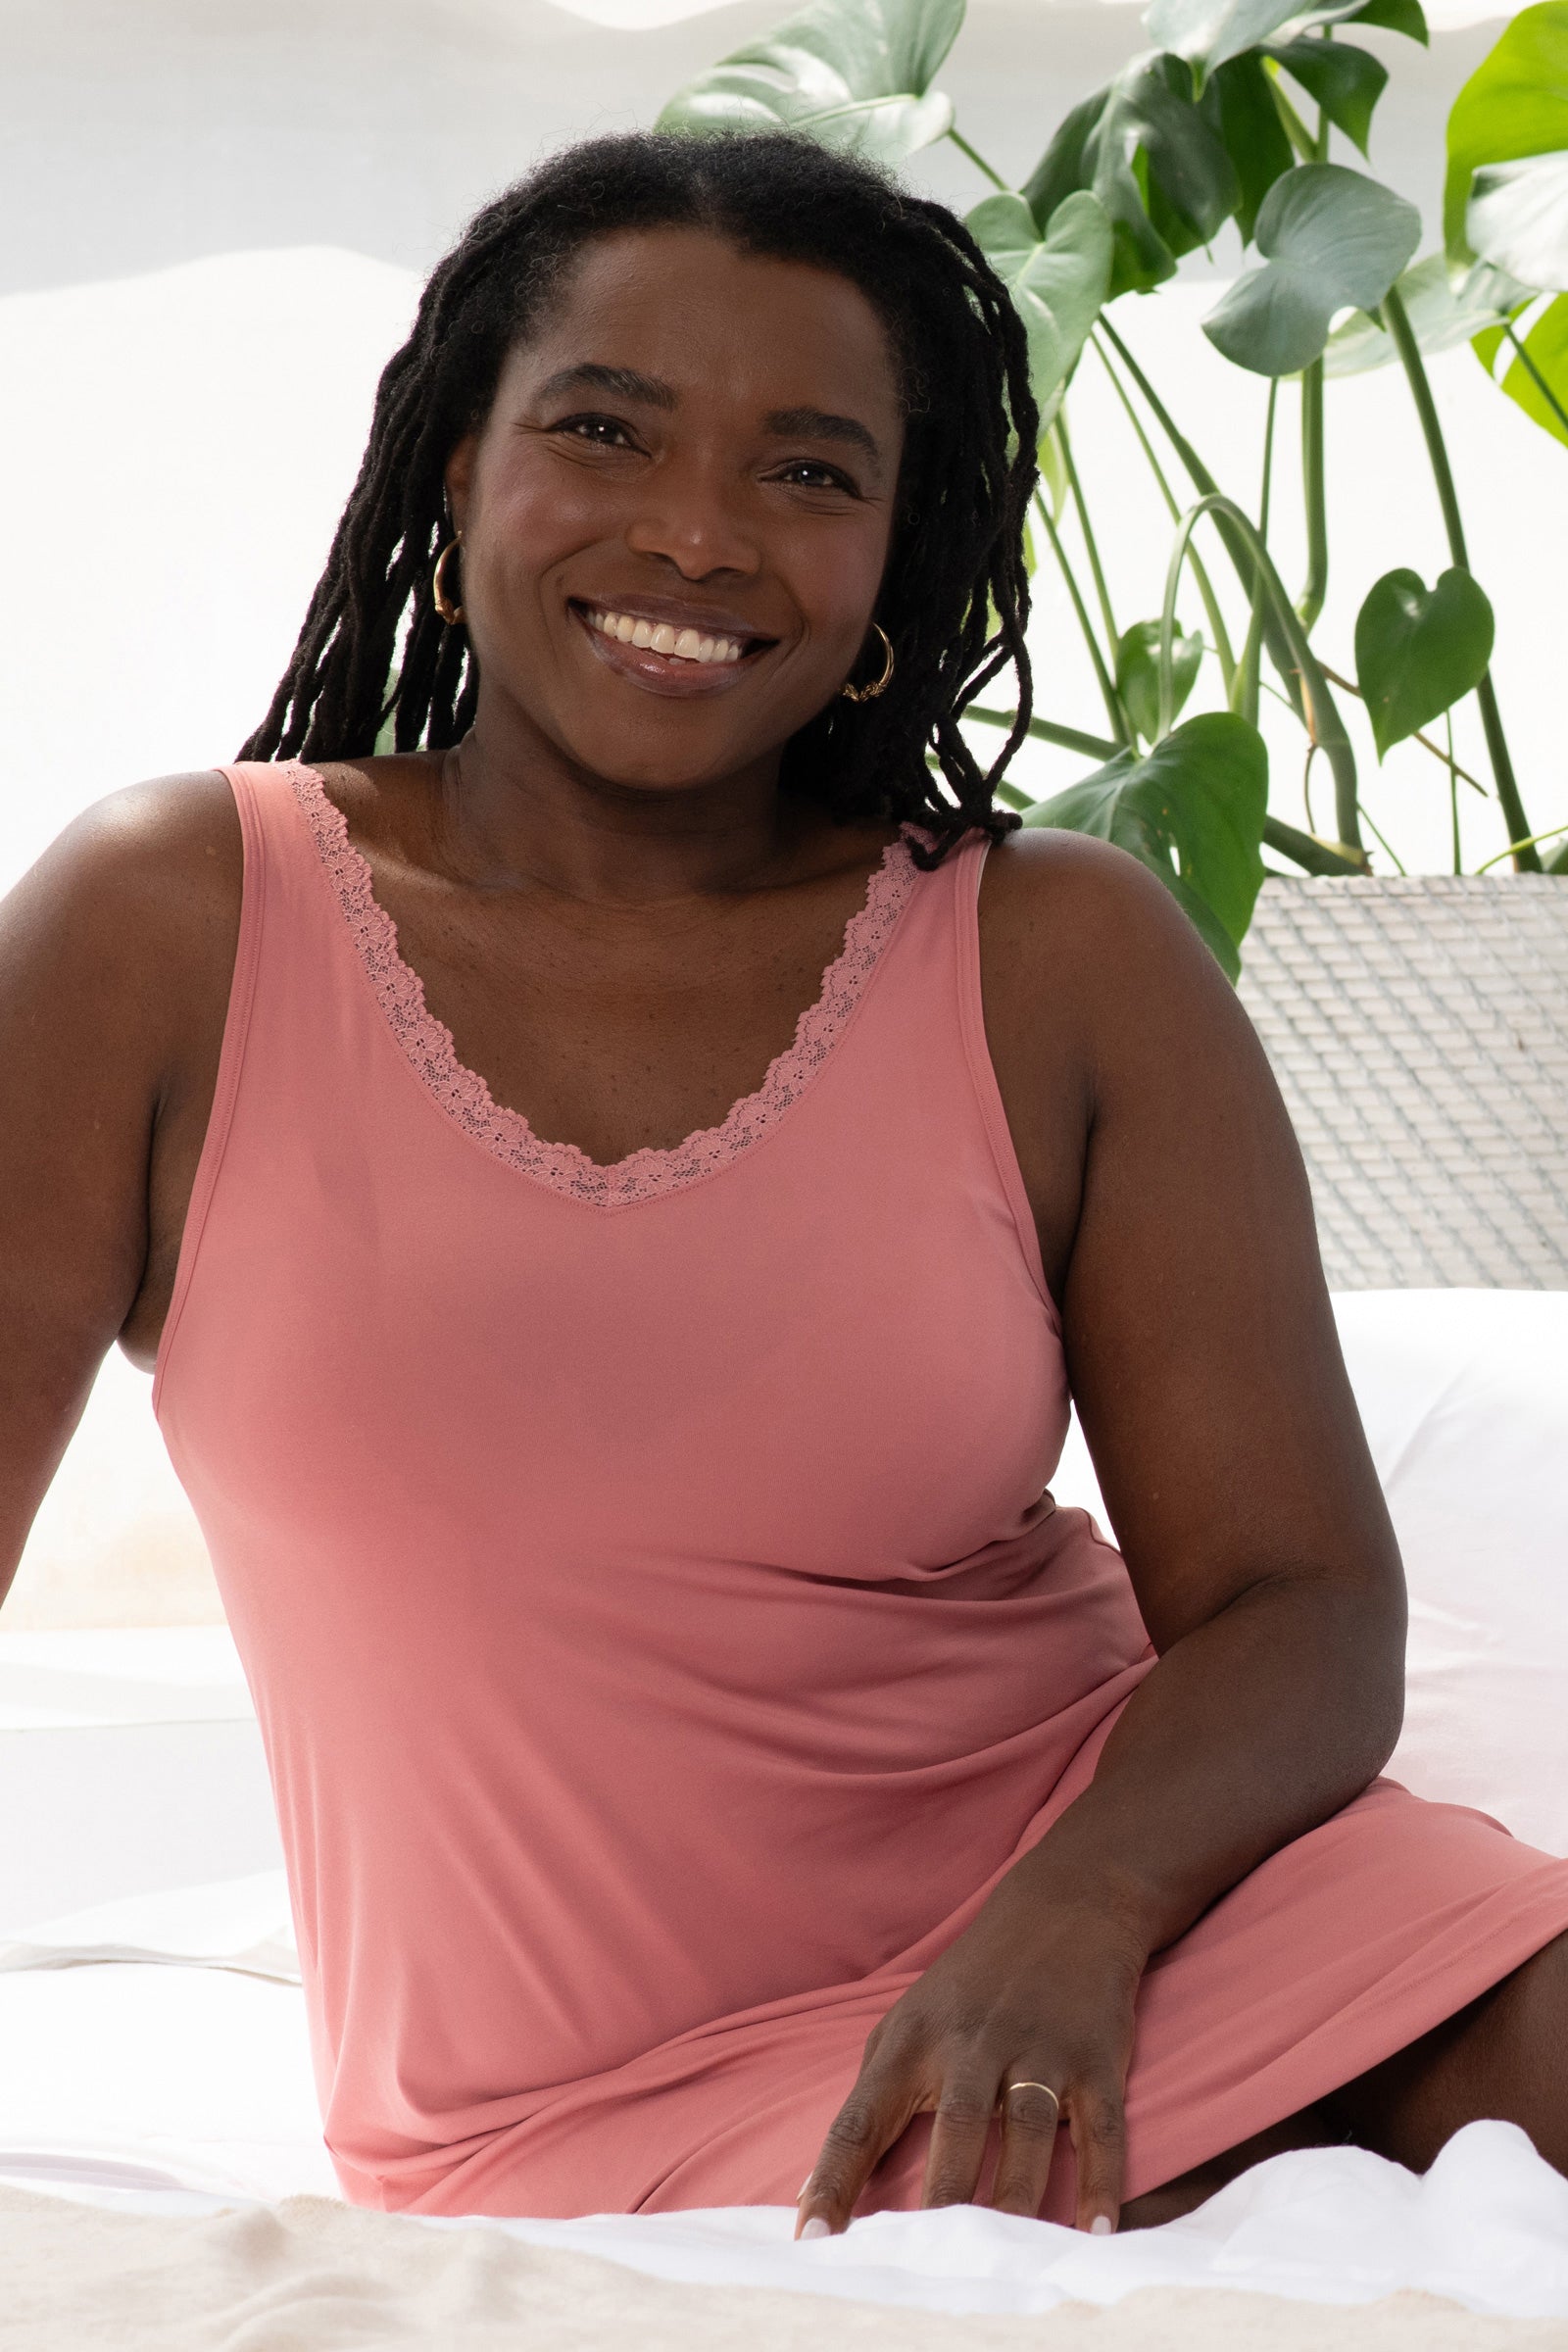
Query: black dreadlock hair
955	599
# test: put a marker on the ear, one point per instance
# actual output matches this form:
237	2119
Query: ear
459	479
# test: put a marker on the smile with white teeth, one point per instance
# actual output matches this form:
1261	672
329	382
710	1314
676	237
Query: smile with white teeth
658	637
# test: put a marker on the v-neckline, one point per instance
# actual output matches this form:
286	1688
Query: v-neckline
650	1171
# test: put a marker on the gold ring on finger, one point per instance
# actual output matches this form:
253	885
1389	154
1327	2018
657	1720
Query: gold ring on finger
1045	2086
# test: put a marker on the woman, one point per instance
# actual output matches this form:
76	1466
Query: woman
614	1191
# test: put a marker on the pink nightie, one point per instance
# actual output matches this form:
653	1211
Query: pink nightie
662	1632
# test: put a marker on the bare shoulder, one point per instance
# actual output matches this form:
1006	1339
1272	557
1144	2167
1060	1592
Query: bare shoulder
169	849
1076	930
126	926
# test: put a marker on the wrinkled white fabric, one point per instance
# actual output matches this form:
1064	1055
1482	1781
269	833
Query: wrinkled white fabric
135	2086
242	1924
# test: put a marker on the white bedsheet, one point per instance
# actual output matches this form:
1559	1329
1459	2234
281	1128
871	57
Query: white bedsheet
161	2089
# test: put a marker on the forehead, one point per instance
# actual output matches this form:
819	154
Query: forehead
696	311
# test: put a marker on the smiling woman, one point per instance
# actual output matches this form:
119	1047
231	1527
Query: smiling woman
620	1402
887	511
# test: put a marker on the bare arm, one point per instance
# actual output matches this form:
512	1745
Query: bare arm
1207	1373
108	952
1203	1358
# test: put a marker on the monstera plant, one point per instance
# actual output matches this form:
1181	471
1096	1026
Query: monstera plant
1228	115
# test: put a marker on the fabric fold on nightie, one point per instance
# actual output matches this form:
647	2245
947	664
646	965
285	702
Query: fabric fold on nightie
661	1628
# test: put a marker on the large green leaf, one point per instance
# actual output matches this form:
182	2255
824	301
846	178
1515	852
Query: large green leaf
1239	103
1514	104
1154	160
1192	811
1442	313
1517	219
1346	81
856	76
1332	239
1545	340
1418	652
1058	281
1209	32
1137	673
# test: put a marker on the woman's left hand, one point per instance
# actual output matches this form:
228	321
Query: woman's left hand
1036	1991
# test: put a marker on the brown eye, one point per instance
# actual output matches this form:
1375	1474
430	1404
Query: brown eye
601	432
810	474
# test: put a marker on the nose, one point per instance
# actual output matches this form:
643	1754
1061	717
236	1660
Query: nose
689	516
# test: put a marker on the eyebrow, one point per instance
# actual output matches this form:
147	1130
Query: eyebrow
629	383
820	424
624	382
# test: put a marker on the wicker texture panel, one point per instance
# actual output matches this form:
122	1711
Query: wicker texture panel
1420	1031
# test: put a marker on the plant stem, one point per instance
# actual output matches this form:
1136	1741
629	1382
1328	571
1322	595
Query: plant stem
1305	850
1325	726
1205	589
1235	543
1514	846
1310	604
1296	129
1396	320
1244	700
1377	838
1112	633
1120	725
978	160
1045	730
1425	741
1535	377
1454	793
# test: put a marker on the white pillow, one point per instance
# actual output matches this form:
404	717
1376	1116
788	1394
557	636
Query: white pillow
1464	1395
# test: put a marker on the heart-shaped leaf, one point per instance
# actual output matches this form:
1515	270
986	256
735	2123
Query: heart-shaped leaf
1514	104
854	78
1541	389
1192	811
1333	240
1155	161
1517	219
1137	673
1418	652
1346	81
1441	315
1058	281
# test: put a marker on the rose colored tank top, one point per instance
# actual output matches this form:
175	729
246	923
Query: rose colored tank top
655	1613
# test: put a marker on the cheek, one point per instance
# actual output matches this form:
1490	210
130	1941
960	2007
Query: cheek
533	518
835	575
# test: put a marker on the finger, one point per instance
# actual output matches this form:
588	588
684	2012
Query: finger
966	2107
1030	2115
1098	2125
859	2136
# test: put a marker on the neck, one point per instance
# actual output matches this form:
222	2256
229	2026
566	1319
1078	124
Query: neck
511	807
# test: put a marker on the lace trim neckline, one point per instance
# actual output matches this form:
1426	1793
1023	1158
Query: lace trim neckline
427	1042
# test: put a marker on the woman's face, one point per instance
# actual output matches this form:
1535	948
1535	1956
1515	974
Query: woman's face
696	442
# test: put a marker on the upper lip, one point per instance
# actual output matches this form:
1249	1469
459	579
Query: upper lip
704	618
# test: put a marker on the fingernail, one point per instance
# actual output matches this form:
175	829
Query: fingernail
804	2186
1102	2226
814	2227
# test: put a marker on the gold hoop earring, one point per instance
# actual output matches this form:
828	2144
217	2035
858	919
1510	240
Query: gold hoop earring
869	694
450	613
